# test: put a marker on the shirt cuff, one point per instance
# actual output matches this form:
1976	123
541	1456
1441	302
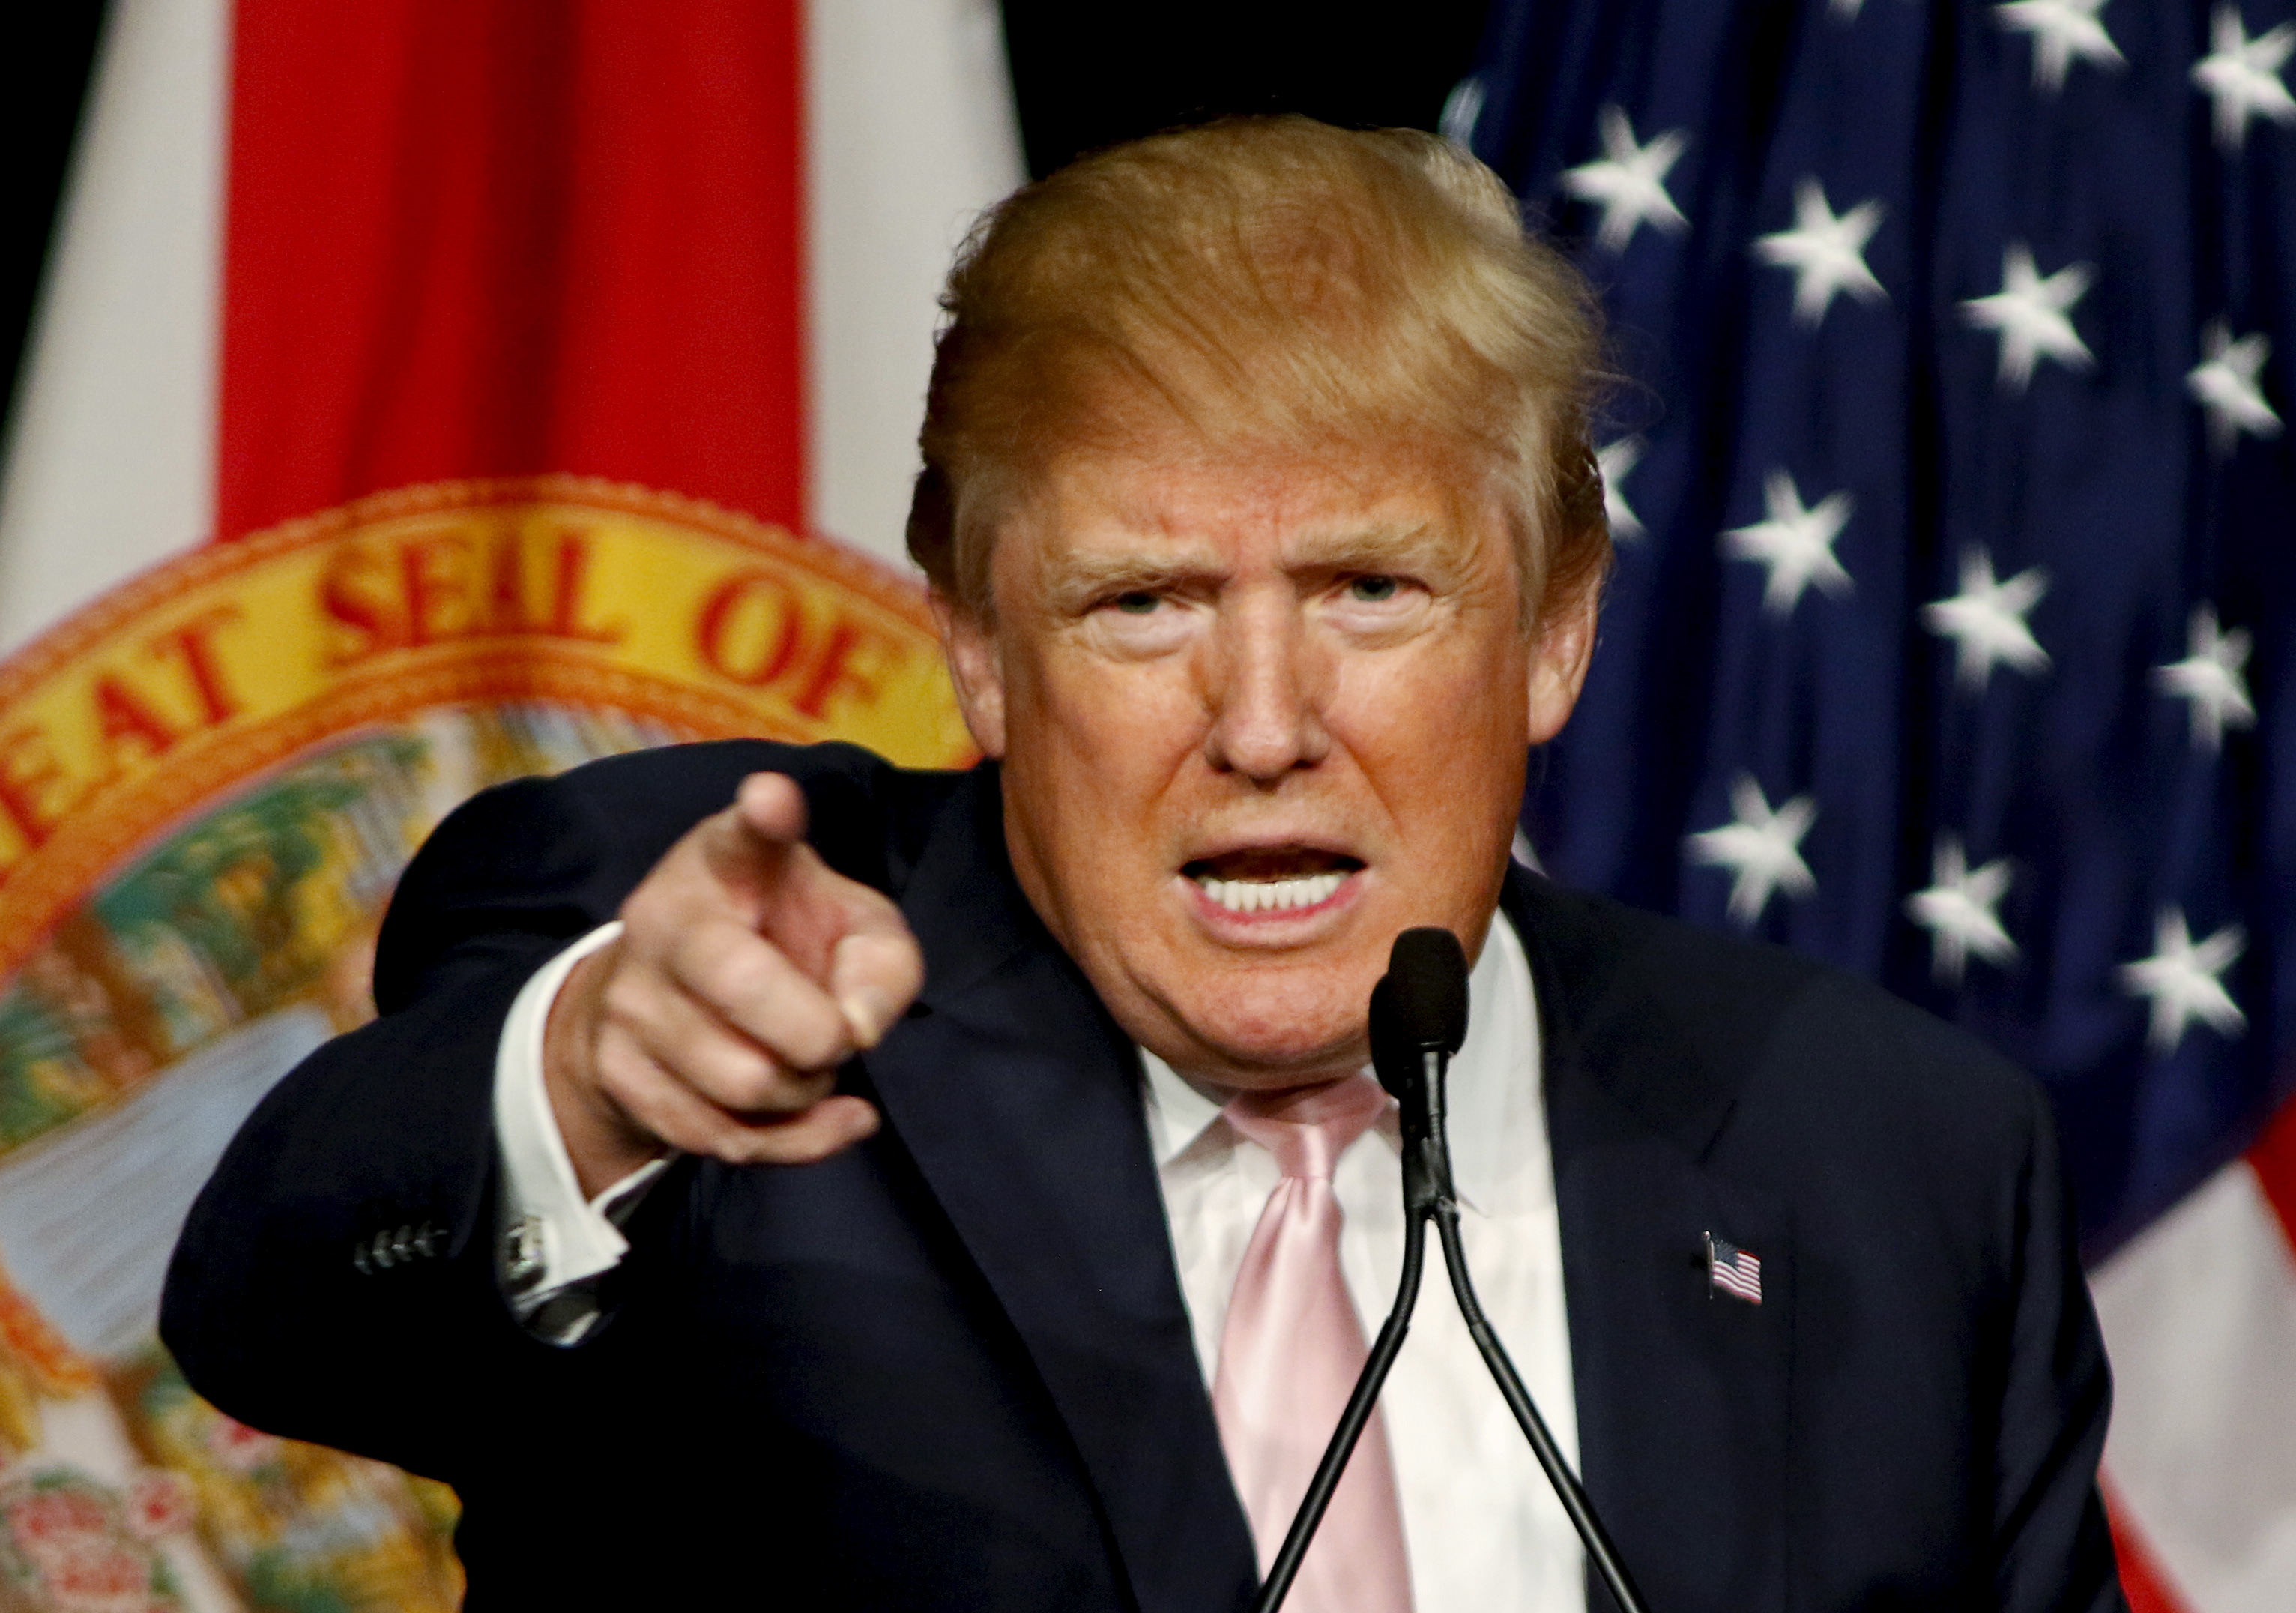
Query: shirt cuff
552	1237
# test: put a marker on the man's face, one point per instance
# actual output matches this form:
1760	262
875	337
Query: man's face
1257	717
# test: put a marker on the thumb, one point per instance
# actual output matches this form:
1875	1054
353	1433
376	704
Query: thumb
874	972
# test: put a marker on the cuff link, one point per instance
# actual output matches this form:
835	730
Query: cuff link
522	1255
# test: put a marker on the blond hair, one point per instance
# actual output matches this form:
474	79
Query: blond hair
1265	281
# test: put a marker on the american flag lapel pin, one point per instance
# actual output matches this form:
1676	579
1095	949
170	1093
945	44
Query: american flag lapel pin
1733	1271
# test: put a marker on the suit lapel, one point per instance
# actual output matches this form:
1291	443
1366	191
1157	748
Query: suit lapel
1681	1392
1019	1101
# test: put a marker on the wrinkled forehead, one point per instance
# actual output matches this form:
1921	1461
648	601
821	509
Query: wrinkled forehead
1093	521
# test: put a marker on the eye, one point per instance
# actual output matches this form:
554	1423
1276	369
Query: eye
1376	590
1139	601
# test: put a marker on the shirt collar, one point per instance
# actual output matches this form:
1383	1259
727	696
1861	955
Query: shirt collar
1494	1083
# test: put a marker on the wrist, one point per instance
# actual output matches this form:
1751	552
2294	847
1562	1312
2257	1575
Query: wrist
601	1140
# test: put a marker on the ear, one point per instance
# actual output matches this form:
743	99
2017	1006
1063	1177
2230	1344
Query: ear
974	668
1563	645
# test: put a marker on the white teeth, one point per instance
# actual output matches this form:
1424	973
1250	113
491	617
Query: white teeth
1273	895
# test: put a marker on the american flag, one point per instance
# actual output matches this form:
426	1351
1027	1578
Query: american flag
1951	634
1733	1271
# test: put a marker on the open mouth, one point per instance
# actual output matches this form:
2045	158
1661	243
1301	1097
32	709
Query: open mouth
1272	879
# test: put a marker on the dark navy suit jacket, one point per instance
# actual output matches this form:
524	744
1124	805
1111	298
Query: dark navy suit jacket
951	1368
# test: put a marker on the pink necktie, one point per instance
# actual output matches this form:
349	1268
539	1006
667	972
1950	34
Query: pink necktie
1289	1356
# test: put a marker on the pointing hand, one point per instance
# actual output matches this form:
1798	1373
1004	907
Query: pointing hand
746	972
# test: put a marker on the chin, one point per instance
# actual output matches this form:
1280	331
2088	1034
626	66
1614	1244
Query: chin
1262	1027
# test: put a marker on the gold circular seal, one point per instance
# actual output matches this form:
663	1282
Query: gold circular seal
210	781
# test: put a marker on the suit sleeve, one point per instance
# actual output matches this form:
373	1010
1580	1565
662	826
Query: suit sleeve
2054	1548
335	1279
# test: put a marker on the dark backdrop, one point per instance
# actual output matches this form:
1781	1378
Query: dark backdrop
1087	75
45	57
1083	76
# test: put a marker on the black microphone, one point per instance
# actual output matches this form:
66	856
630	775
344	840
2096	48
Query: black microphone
1418	1020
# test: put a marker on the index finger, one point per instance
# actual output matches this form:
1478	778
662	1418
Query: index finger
845	936
749	842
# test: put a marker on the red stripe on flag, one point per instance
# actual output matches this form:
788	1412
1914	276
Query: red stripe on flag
2141	1577
2273	1157
480	237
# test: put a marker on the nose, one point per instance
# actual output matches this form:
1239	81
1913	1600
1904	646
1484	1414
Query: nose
1263	694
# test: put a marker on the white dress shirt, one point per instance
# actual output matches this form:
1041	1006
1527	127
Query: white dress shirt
554	1242
1484	1532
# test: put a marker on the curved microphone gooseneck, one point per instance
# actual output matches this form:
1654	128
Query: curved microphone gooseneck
1418	1020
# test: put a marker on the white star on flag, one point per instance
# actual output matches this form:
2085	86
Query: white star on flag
1847	9
1985	620
2061	30
1796	544
1629	181
1826	254
1761	848
2210	676
2225	384
1615	463
2029	312
2183	979
2241	76
1958	911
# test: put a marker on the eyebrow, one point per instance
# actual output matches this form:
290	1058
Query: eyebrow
1073	578
1431	548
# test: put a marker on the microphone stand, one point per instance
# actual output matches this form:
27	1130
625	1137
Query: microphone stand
1417	1080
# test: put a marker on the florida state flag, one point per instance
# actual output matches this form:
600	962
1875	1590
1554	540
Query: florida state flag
484	378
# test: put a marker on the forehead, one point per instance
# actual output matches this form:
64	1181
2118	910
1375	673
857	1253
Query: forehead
1225	510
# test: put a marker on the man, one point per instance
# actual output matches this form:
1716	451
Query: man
779	1179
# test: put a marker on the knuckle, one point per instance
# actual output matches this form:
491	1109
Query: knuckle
624	998
726	969
747	1081
814	1041
790	1094
624	1074
646	911
741	978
